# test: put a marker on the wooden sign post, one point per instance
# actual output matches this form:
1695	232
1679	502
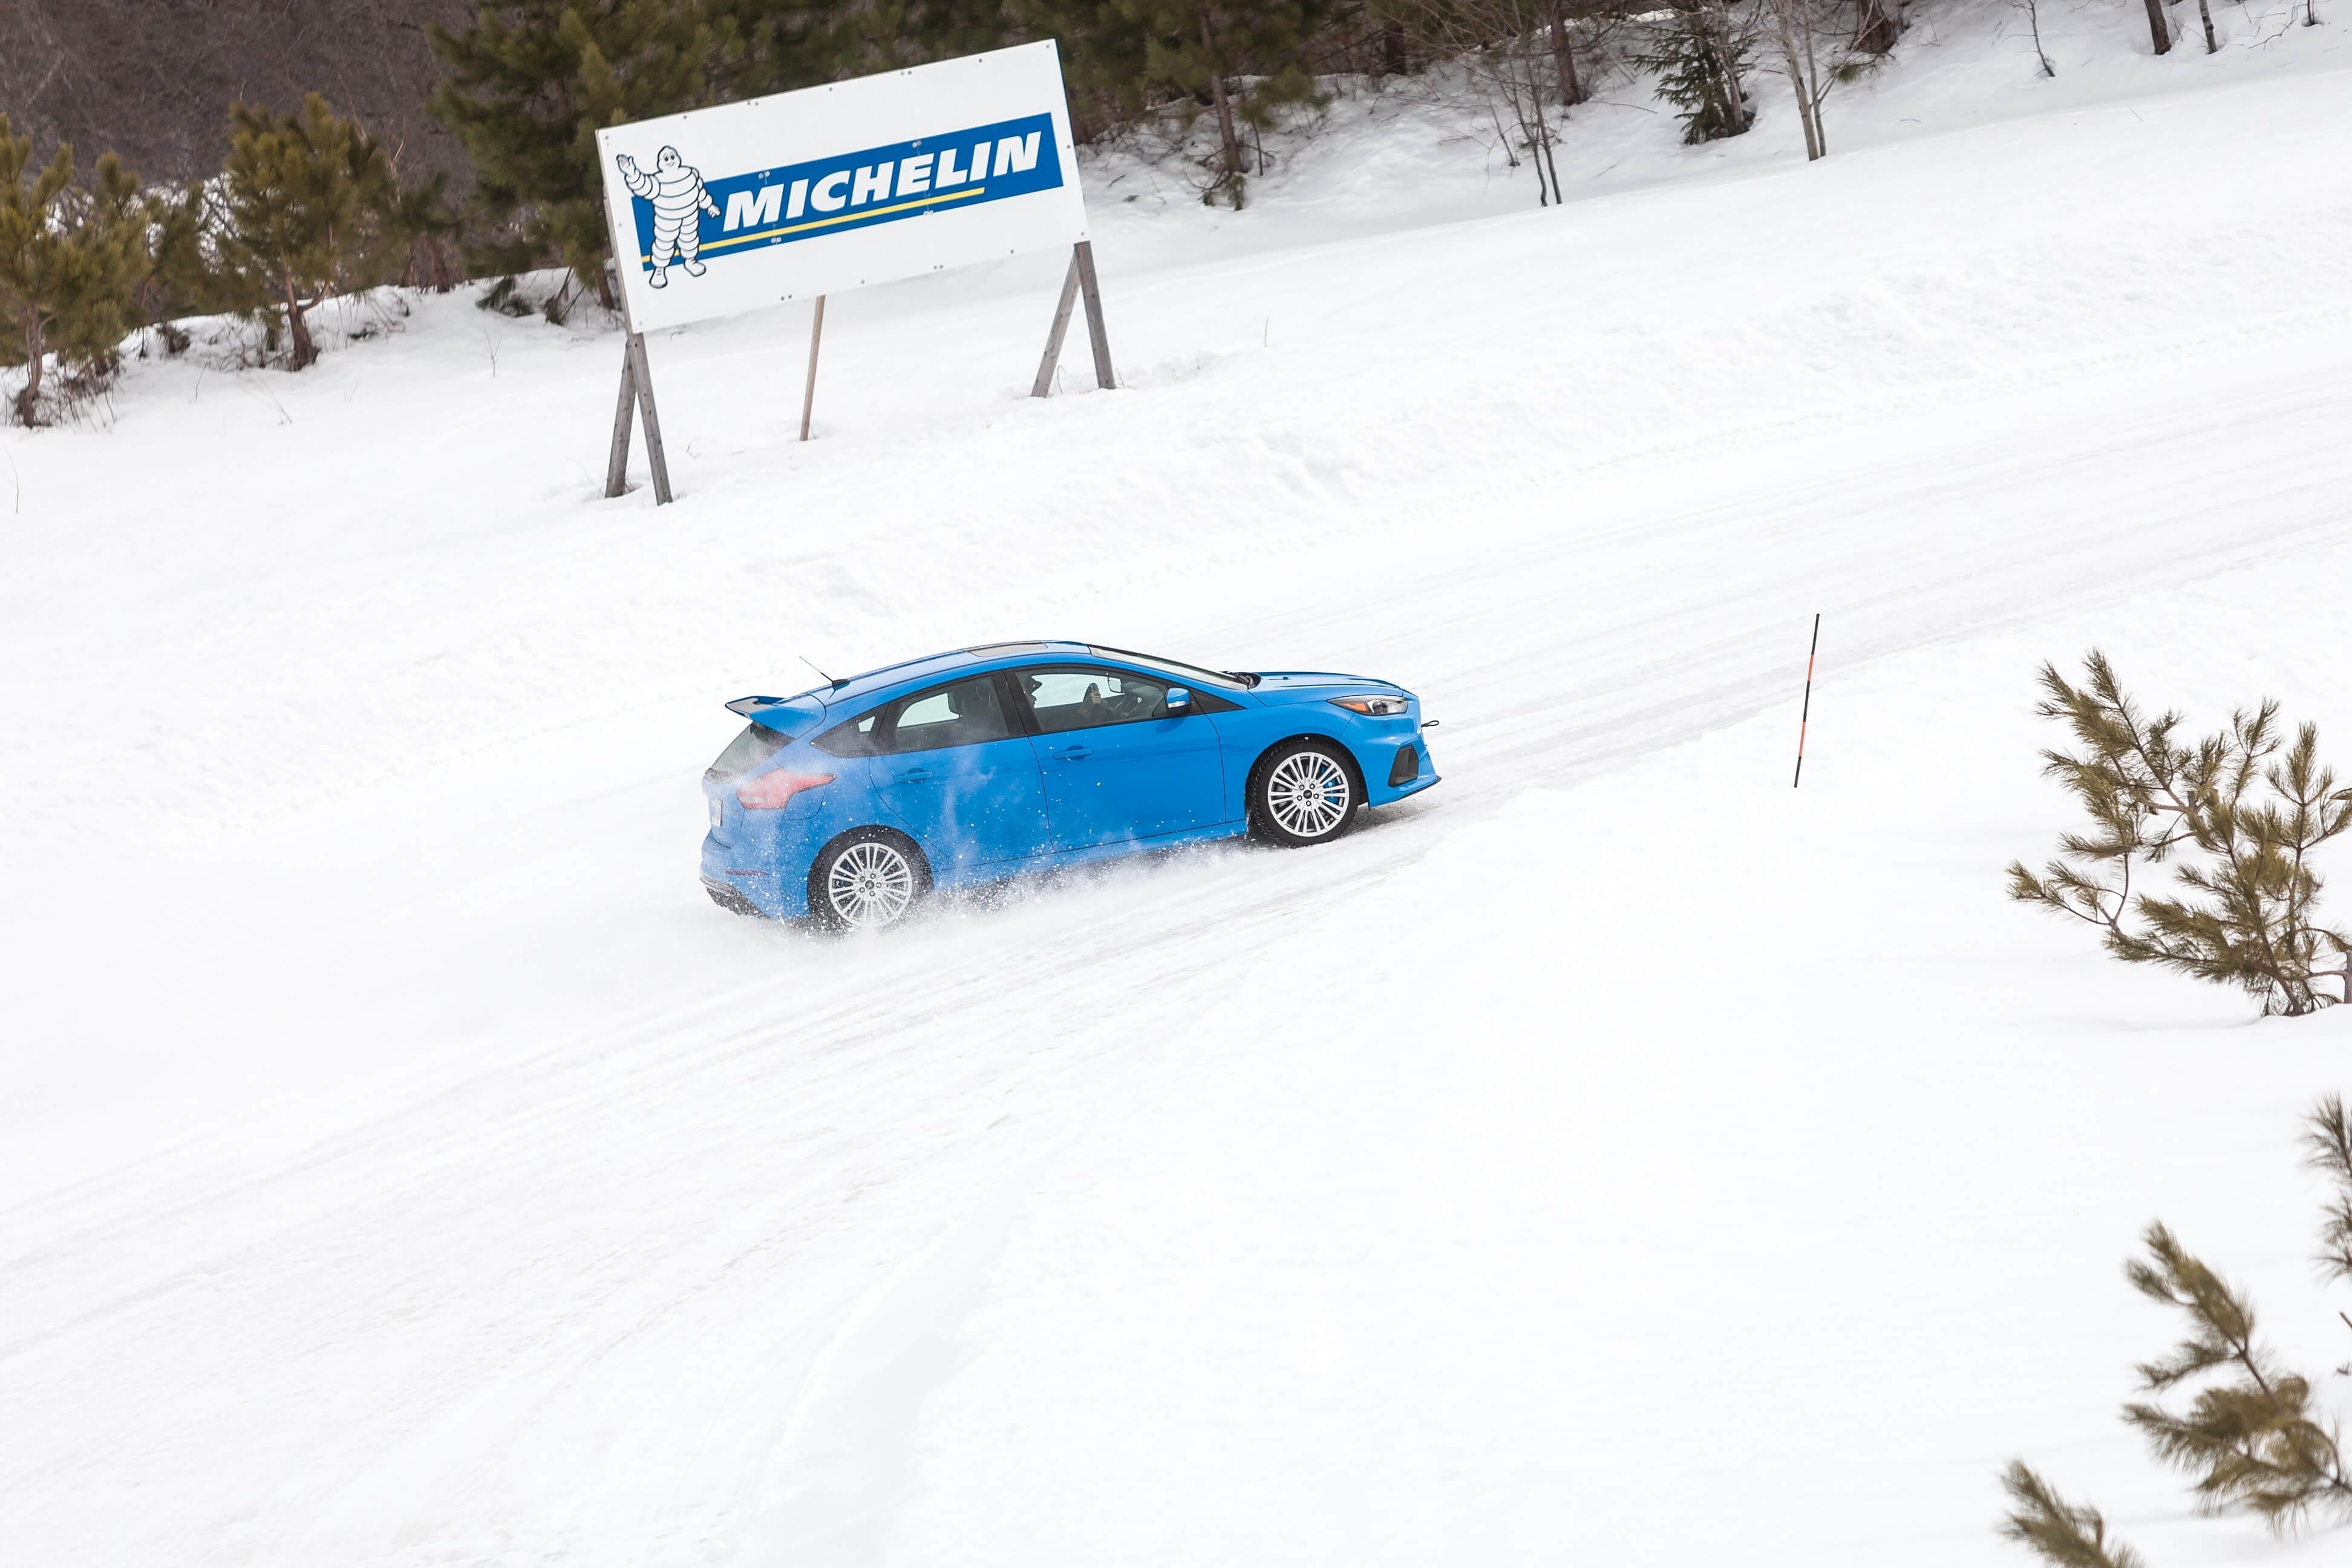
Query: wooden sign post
636	393
1081	280
817	336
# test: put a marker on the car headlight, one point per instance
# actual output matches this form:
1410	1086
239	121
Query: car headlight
1373	707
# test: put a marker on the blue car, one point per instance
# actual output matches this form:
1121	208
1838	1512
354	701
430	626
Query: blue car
851	803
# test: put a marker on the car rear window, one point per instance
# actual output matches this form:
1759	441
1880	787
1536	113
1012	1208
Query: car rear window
755	745
854	739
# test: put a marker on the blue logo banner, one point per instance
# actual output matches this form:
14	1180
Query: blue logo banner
684	217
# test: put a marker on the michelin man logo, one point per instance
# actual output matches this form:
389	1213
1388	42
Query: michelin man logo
675	191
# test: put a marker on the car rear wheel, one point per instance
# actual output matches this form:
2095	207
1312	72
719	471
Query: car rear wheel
1302	792
867	880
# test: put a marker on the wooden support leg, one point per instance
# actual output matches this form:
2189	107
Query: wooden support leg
1082	261
817	336
616	467
1061	328
642	374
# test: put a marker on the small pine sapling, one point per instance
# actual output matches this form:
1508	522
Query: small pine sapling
2054	1529
2249	1435
2239	827
310	210
2327	1149
72	261
1700	59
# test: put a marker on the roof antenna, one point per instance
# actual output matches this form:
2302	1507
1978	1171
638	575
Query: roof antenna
812	664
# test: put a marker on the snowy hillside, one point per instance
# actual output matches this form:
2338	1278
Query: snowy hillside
1611	1156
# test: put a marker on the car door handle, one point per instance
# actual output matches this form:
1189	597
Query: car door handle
1071	753
914	775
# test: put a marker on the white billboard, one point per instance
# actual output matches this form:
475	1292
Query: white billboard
832	188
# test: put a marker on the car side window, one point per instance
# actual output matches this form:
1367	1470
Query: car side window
1083	698
963	714
854	739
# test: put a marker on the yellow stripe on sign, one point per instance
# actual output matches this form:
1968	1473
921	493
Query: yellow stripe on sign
844	217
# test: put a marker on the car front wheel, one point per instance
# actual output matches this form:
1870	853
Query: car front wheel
867	880
1304	792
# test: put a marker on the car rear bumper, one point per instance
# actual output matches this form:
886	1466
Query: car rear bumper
733	873
732	899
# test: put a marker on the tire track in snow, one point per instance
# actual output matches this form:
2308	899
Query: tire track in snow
694	1188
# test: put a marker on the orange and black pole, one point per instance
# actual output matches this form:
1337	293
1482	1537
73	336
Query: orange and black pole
1806	717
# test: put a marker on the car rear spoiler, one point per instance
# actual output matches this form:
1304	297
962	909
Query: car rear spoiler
783	714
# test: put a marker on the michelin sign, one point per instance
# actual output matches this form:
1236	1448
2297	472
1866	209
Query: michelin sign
830	188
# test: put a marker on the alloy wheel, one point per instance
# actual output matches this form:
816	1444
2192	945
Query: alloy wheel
1308	795
870	886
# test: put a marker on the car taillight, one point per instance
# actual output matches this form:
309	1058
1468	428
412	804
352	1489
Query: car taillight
769	792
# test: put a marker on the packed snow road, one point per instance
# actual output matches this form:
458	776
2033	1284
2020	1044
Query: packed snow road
407	1165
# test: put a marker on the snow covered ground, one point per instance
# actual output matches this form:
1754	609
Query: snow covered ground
1613	1155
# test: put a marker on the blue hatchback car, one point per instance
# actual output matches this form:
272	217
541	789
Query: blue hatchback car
852	802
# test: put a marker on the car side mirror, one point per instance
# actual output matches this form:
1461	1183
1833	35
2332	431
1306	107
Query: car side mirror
1179	701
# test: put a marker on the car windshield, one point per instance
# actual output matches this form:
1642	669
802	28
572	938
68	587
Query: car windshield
1178	668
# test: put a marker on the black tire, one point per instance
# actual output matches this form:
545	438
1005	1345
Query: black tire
869	878
1304	792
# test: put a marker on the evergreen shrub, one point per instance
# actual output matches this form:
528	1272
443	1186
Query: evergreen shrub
71	262
2237	816
2252	1434
308	209
1701	58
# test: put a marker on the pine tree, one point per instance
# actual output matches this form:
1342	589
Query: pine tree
2249	1434
186	279
420	214
2058	1532
2327	1149
760	47
308	209
530	84
886	34
2242	827
1104	51
70	263
1701	59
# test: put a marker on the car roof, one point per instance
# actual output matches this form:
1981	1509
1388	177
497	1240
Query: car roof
858	688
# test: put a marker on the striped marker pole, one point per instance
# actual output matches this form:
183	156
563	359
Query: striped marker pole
1806	717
